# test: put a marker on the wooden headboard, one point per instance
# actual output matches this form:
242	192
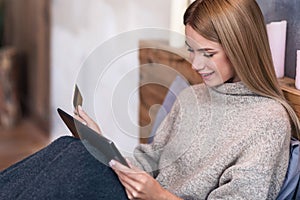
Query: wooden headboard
291	93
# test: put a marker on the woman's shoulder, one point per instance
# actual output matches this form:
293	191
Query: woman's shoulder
194	95
271	114
198	90
271	108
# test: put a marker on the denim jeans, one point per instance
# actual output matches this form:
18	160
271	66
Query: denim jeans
63	170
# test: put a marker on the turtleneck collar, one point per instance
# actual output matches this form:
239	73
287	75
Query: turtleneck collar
233	89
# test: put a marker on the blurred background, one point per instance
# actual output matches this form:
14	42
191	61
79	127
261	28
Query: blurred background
44	44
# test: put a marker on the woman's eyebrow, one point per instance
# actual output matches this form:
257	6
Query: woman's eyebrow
200	49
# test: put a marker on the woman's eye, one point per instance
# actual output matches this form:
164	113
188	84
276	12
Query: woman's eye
208	55
190	50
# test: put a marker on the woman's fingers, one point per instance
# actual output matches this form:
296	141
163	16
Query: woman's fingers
133	188
83	117
75	112
128	188
115	165
80	119
83	114
128	194
133	172
121	171
132	176
138	183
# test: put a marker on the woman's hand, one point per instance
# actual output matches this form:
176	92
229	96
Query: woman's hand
81	116
139	184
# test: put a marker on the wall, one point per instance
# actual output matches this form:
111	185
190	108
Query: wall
26	28
78	28
277	10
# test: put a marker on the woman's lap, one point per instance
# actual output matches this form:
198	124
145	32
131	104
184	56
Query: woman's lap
63	170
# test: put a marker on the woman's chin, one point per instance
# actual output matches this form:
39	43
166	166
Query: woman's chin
212	83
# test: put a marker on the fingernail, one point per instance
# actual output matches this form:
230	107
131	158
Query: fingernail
112	163
80	108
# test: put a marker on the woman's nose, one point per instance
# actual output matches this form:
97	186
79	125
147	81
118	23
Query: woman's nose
198	63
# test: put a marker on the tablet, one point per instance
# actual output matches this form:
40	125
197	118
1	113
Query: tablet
99	146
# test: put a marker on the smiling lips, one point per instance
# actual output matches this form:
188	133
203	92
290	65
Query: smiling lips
206	74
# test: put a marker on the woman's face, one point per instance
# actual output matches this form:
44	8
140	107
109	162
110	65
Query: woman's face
209	59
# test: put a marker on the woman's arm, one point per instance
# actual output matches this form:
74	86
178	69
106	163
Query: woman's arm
147	156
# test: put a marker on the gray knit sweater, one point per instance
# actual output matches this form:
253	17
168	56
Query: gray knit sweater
220	143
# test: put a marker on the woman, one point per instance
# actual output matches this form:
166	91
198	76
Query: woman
225	139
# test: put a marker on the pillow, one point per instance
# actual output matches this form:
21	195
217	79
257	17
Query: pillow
290	188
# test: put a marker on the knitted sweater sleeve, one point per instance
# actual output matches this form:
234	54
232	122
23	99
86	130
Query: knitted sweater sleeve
257	168
147	156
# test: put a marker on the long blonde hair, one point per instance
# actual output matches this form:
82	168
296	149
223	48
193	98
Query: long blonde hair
238	25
